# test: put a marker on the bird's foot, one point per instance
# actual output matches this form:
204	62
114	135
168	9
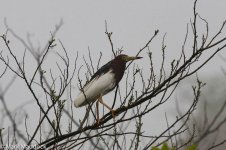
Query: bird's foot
113	113
97	123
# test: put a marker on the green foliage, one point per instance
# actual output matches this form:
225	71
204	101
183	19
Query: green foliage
166	147
192	147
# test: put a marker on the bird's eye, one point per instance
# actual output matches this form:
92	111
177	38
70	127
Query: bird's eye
124	58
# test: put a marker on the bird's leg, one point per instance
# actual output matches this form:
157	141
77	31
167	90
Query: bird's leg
97	107
112	111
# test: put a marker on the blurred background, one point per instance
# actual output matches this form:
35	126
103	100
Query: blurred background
82	29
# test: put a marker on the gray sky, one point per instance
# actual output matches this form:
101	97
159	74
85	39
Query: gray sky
132	22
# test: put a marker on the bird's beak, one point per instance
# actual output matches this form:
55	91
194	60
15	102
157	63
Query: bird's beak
129	58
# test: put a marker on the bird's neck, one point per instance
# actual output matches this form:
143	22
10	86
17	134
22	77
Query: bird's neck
119	69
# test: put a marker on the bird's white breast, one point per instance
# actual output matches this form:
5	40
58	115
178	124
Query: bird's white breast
97	87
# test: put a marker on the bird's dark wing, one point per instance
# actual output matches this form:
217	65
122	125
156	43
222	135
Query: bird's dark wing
104	69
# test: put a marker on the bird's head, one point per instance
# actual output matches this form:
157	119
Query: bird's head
126	58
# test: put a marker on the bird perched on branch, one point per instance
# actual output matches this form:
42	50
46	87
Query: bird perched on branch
102	82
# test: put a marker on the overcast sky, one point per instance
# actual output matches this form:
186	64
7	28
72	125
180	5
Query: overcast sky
132	22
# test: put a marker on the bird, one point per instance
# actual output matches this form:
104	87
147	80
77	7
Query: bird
103	82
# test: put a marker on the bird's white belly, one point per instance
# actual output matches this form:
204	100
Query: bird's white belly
97	87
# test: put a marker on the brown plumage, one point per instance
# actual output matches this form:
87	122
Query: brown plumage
104	80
